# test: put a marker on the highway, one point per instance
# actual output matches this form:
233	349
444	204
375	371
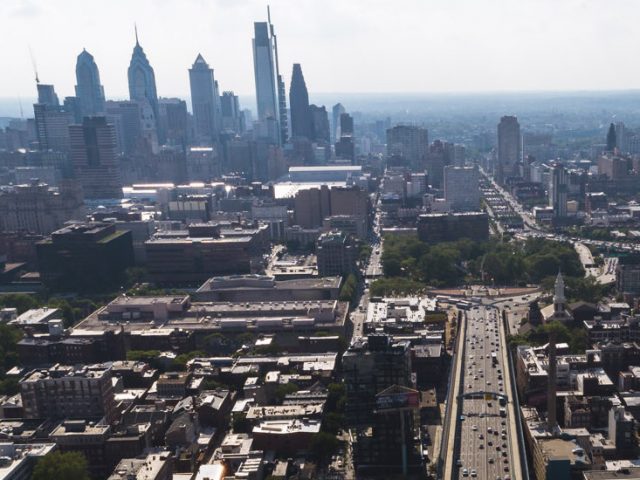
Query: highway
483	441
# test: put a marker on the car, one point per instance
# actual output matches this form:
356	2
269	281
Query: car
481	437
490	443
465	472
459	462
506	468
474	473
491	460
474	428
481	446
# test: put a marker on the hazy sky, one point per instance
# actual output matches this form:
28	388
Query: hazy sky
343	45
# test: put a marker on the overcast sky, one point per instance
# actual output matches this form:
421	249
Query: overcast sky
343	45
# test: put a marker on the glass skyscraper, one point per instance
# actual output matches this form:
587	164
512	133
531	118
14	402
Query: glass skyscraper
89	91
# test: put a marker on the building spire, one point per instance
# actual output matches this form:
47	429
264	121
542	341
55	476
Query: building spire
135	28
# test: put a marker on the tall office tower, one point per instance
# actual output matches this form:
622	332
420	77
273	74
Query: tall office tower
336	112
142	84
72	105
173	120
231	114
346	124
301	123
461	188
265	77
558	187
408	145
89	91
203	101
125	117
320	130
51	120
509	148
47	95
282	93
93	154
622	142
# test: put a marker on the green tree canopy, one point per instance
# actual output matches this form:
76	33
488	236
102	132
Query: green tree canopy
57	466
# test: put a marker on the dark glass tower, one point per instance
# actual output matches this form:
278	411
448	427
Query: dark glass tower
299	104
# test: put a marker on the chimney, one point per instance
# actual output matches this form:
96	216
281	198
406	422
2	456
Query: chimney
552	384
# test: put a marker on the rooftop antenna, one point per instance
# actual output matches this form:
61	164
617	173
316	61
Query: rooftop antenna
20	105
33	63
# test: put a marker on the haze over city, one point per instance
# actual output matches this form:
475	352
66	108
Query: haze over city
332	240
374	46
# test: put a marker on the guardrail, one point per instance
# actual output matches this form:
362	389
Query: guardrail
516	406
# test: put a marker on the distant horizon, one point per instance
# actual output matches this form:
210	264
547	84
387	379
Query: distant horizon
10	107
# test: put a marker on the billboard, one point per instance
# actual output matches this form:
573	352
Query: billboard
398	400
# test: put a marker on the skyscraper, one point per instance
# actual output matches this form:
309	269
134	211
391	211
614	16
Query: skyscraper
51	120
47	95
203	101
408	145
461	188
89	91
142	81
231	114
558	189
336	111
301	122
93	154
509	148
265	76
320	131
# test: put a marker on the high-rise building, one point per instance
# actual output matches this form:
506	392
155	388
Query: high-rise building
336	112
173	120
558	189
461	188
232	119
408	145
89	91
38	208
125	117
320	130
346	124
301	123
65	258
370	366
203	101
509	148
142	83
264	70
52	127
345	146
337	254
47	95
69	392
94	159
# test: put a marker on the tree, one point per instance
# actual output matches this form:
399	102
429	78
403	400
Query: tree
59	465
285	389
20	301
323	445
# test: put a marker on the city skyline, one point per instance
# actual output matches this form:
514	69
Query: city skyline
459	39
